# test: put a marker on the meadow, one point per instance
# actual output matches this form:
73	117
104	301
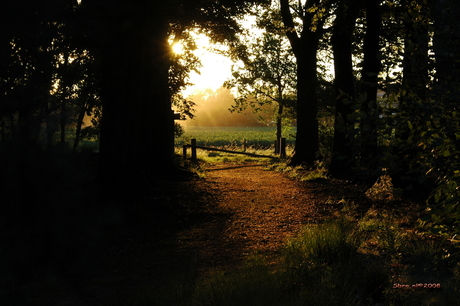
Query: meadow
258	137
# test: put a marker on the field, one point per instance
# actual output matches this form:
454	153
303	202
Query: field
234	137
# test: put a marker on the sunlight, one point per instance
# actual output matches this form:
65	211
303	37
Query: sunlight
178	48
216	67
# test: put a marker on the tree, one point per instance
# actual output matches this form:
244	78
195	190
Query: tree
266	76
415	64
304	40
343	149
136	130
42	193
45	71
88	103
181	65
442	132
371	66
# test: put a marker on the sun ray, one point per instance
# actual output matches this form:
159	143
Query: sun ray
215	70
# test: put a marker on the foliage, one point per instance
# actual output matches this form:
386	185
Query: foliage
332	243
181	65
265	72
48	79
383	190
342	261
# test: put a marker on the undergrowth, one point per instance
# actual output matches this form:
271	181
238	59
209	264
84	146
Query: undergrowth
354	258
342	261
300	173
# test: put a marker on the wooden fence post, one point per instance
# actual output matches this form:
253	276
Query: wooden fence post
193	144
277	147
184	151
283	148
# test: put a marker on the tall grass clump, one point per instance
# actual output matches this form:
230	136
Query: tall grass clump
334	242
384	232
323	266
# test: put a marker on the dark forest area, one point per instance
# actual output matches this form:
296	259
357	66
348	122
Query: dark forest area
87	90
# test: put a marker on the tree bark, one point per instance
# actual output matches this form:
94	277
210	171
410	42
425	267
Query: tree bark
305	49
369	81
136	131
415	62
343	148
279	123
446	45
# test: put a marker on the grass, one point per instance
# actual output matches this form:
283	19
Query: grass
355	258
342	261
300	172
255	138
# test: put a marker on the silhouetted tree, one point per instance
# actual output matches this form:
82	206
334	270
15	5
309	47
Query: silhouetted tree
343	149
137	133
371	67
267	75
304	41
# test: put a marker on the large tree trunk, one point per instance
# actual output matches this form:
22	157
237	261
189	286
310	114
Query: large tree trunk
136	131
343	149
307	140
305	49
369	81
446	45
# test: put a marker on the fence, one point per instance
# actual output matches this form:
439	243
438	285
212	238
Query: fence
279	149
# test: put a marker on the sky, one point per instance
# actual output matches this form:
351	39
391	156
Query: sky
215	71
216	67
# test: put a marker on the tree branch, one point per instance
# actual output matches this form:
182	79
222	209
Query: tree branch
288	21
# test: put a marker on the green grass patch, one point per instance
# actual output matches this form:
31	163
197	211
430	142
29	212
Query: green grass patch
255	140
232	137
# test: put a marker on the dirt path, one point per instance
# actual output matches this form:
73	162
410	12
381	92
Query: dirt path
237	210
255	211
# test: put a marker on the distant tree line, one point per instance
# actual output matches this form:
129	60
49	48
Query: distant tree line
214	106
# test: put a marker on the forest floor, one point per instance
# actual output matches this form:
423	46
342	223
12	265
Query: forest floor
235	211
